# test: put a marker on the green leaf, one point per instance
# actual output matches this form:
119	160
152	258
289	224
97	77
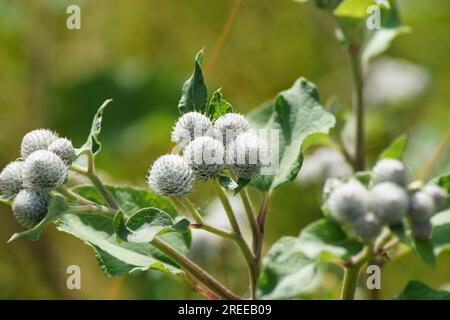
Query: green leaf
299	119
326	241
217	106
194	95
56	207
444	182
93	143
395	149
415	290
441	232
355	9
286	272
117	258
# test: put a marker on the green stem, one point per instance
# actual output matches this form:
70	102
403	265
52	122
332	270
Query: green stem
196	271
75	196
351	273
184	202
227	206
358	105
256	235
89	209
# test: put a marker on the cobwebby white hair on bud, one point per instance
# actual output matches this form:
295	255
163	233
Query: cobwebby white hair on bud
35	140
64	149
190	126
390	170
229	126
389	202
368	226
205	155
11	181
44	171
421	206
170	175
438	194
30	207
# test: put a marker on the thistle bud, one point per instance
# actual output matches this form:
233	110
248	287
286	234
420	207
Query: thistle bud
44	171
349	202
367	227
246	155
421	206
438	194
11	179
30	207
422	230
205	155
389	202
390	170
35	140
170	175
229	126
190	126
63	148
330	185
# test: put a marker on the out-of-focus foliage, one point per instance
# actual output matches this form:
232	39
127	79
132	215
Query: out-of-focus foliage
140	55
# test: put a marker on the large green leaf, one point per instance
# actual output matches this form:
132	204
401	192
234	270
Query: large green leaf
415	290
395	149
299	119
286	272
326	241
56	207
194	95
218	106
441	232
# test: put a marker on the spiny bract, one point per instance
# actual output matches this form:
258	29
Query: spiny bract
421	206
389	202
368	226
229	126
35	140
170	175
246	155
191	125
11	181
44	171
205	155
390	170
30	207
63	148
438	194
349	201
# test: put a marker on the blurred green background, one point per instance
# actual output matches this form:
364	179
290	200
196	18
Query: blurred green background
139	53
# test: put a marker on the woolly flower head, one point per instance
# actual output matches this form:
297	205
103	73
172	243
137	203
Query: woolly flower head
438	194
30	207
367	226
349	201
247	154
190	126
229	126
421	206
422	230
170	175
11	179
390	170
63	148
43	171
389	202
205	155
35	140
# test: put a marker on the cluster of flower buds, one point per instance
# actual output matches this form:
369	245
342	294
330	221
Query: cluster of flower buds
207	150
43	167
387	201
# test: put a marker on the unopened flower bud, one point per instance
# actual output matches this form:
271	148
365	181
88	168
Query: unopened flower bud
421	206
389	202
422	230
205	155
170	175
30	207
349	201
229	126
390	170
368	226
63	148
191	125
438	194
11	181
35	140
44	171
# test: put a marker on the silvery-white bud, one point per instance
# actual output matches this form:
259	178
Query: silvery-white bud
30	207
11	181
35	140
390	170
205	155
368	226
170	175
230	125
64	149
438	194
330	185
44	171
349	201
422	230
246	155
389	202
191	125
421	206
